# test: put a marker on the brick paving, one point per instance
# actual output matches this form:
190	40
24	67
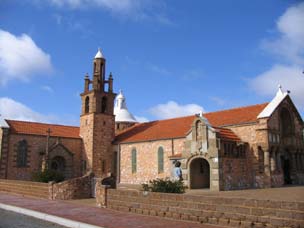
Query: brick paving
96	216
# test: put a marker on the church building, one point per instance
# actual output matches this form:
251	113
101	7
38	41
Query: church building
257	146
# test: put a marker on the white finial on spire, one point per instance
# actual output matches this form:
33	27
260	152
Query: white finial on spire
280	91
99	54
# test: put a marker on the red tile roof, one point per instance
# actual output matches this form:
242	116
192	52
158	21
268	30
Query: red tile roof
33	128
227	134
235	116
160	129
178	127
155	130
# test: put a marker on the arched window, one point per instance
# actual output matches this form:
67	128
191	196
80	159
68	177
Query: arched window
286	124
103	104
22	153
87	105
160	159
134	160
198	129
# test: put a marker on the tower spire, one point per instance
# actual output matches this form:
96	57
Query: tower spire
99	54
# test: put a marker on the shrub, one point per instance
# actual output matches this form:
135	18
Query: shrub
47	176
164	185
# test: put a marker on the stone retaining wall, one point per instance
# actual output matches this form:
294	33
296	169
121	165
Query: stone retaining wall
26	188
76	188
225	211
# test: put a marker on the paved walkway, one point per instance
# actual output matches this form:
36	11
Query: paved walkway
286	193
92	215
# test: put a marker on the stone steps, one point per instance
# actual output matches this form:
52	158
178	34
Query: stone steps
224	211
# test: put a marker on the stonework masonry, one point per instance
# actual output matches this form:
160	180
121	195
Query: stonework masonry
147	165
34	156
224	211
4	136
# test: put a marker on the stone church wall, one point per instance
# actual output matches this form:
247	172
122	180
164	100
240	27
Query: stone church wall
36	146
147	163
3	151
294	143
235	173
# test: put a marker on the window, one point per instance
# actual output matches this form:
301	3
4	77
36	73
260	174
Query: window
22	153
104	104
160	156
198	129
261	160
134	160
103	166
286	123
87	105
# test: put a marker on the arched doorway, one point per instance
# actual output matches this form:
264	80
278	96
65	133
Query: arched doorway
199	173
58	164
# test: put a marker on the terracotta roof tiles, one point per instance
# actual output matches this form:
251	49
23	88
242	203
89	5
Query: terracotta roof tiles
33	128
155	130
235	116
178	127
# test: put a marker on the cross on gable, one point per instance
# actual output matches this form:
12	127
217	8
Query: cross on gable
49	132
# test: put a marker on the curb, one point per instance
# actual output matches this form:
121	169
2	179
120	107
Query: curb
47	217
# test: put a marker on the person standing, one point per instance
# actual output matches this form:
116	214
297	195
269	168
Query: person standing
178	175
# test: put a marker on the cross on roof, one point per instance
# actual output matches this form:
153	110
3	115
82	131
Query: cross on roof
49	132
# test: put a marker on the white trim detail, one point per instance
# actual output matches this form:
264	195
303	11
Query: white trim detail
3	123
276	101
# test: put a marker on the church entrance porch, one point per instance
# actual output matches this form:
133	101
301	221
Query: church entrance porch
199	174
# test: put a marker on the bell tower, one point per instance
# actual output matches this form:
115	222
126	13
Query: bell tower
97	123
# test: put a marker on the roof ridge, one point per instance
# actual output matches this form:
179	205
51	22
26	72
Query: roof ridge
241	107
34	122
173	118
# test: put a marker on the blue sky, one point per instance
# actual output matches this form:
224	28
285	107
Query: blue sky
170	58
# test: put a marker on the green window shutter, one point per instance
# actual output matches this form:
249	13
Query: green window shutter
134	160
160	160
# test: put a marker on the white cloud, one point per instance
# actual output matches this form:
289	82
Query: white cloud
21	58
151	10
116	6
290	77
158	70
47	89
141	119
288	46
173	109
14	110
11	109
290	43
219	101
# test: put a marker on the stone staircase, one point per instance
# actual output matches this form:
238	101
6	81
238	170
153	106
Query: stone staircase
25	188
224	211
